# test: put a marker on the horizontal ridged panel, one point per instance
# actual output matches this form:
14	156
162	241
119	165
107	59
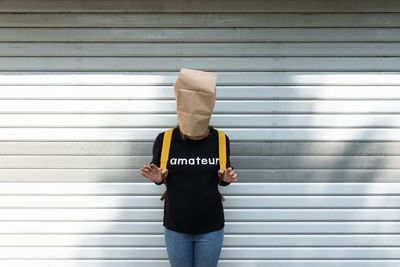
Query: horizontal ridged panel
129	49
221	106
230	240
251	148
214	20
224	78
231	214
243	64
241	35
205	6
244	202
238	134
218	120
230	227
372	175
162	92
222	263
226	253
119	189
243	162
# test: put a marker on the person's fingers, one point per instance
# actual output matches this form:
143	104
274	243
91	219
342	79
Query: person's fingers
145	171
145	175
154	166
234	176
147	167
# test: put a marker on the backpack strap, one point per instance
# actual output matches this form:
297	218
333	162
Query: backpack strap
165	148
222	156
164	155
222	150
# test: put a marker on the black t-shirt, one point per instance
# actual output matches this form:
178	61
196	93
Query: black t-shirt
192	204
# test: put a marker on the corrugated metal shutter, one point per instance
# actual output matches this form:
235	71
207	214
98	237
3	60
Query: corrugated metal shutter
308	93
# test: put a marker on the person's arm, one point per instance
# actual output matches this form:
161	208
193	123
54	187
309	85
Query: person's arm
157	145
228	161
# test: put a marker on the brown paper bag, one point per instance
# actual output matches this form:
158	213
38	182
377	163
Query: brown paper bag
195	94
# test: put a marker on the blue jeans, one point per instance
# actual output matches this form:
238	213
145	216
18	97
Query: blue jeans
193	250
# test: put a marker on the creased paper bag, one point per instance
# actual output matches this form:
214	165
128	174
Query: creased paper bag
195	94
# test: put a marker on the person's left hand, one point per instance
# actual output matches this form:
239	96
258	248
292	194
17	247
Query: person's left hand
230	175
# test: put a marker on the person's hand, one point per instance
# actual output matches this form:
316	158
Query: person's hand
230	175
153	173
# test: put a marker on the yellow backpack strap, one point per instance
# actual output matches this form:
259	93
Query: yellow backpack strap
222	150
165	148
164	155
222	156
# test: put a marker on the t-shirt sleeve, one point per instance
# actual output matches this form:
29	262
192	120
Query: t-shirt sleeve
157	145
228	161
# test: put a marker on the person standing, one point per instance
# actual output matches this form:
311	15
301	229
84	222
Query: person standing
193	211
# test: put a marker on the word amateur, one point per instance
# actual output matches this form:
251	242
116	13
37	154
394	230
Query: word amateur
194	161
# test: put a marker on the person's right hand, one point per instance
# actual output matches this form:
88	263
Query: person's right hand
153	173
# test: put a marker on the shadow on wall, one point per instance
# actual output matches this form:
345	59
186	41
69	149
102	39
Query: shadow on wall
360	160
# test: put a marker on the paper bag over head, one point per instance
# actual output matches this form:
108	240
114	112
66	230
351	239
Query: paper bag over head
195	94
